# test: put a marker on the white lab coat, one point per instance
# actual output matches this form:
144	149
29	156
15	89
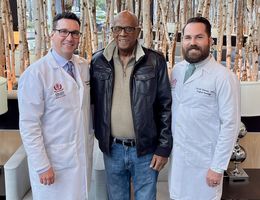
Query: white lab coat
55	127
205	122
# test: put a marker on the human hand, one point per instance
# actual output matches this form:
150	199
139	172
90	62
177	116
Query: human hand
158	162
47	178
213	178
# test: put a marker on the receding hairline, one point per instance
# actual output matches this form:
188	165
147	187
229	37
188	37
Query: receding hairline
128	14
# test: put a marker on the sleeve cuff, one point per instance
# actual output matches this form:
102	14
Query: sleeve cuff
220	171
43	170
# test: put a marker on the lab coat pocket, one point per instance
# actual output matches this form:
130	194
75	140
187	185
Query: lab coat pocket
204	106
63	99
198	154
62	156
204	95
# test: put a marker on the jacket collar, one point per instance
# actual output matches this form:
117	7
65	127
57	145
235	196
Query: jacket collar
111	47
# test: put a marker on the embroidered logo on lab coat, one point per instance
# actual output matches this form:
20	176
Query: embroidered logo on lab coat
173	83
58	90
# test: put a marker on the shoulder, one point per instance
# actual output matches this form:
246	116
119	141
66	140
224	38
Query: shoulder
98	60
219	69
152	52
223	76
179	66
80	60
154	58
97	55
40	69
33	73
36	67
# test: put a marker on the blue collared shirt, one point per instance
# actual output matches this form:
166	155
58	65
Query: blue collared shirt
61	61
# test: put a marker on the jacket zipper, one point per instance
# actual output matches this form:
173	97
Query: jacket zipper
131	100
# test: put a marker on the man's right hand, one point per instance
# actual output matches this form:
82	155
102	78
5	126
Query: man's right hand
47	178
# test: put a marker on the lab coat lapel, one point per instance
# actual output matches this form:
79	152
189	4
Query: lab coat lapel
202	67
79	80
53	64
51	61
197	74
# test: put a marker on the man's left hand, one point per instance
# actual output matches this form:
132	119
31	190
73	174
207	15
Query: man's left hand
158	162
213	178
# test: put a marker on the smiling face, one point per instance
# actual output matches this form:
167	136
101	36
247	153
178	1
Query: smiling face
126	41
65	46
196	43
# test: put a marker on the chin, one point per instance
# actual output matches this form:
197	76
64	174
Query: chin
192	59
68	55
69	51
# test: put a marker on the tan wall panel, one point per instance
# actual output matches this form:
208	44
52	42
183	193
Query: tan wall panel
9	142
251	143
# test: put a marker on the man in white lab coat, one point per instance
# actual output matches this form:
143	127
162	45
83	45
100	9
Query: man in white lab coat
205	120
54	105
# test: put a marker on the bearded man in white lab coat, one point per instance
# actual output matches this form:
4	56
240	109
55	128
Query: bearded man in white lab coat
54	105
206	118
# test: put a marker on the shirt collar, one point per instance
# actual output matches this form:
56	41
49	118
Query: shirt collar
116	54
201	63
61	61
111	48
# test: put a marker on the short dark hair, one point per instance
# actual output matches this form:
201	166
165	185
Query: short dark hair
65	15
199	20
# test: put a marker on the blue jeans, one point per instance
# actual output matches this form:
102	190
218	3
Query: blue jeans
122	165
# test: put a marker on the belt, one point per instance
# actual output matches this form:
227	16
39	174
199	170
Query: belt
125	142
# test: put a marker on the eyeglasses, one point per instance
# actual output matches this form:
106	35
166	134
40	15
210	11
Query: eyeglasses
65	33
127	29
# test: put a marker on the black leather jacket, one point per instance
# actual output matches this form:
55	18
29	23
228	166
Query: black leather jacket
150	101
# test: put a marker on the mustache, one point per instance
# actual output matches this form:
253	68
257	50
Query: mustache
193	47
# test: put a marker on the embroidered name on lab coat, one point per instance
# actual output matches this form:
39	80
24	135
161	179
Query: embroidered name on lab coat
58	90
204	91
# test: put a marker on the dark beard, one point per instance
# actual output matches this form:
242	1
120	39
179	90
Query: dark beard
203	56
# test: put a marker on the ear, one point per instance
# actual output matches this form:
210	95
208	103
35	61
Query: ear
52	33
138	32
211	41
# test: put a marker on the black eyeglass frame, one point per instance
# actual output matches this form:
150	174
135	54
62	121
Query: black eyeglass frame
74	34
127	29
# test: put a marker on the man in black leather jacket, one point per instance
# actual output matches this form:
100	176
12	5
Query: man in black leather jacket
131	95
